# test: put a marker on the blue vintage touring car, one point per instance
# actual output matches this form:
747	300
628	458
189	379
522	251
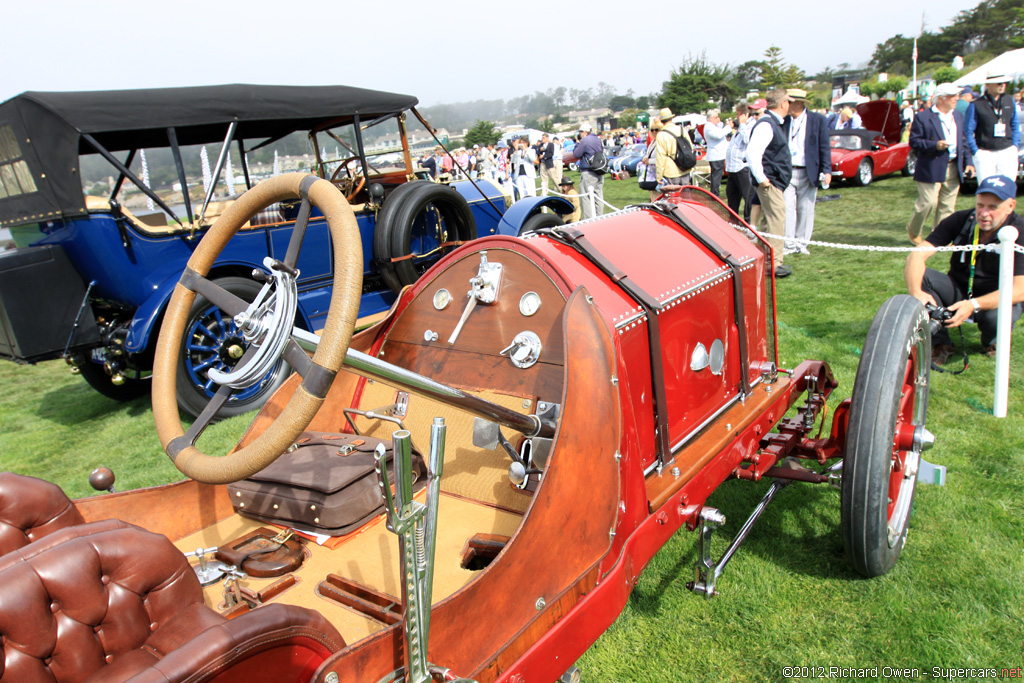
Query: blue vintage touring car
93	288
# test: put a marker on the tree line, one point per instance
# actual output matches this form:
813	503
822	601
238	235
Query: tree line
993	26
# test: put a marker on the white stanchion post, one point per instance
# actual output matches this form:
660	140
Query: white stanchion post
1007	238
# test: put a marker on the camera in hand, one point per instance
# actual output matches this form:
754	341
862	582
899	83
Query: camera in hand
939	315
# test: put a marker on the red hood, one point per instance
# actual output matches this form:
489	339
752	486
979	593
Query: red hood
883	116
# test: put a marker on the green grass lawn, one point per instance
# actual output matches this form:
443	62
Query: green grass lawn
788	598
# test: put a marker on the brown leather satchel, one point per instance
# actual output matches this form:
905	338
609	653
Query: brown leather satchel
326	484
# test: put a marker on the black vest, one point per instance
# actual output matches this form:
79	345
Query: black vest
777	162
987	117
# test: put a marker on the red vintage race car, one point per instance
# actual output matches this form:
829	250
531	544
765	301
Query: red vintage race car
860	155
532	421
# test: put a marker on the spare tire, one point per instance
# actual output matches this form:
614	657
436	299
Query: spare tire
382	233
418	218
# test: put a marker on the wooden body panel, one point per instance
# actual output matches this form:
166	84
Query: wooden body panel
174	510
577	500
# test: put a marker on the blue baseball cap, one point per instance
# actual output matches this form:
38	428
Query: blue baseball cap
999	185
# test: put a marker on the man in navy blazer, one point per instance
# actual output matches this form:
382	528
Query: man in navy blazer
939	137
812	158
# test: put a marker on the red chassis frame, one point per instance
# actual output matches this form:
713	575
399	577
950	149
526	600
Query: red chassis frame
570	637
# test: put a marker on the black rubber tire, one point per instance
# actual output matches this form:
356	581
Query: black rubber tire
862	178
96	377
455	214
382	231
396	227
908	168
541	220
191	399
898	338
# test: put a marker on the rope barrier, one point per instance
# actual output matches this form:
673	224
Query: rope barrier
871	247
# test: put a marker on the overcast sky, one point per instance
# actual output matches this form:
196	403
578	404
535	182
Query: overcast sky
441	52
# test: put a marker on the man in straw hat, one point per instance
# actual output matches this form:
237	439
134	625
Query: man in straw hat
812	163
993	130
665	142
939	139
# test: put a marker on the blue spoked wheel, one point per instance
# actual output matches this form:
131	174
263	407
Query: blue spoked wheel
212	340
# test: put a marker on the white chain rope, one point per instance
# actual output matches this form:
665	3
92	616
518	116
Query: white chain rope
992	246
587	195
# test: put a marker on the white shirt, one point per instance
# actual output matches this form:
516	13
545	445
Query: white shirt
949	128
797	134
715	135
760	138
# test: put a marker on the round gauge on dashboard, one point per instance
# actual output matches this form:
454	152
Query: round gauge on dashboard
442	298
529	304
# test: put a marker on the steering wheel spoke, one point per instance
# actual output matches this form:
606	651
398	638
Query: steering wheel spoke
223	299
207	416
296	357
291	257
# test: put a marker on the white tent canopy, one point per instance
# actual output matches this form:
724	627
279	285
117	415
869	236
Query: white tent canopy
1007	64
850	97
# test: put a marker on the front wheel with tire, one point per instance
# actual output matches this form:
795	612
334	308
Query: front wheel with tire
865	173
885	436
213	340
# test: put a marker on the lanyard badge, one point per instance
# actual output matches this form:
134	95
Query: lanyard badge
974	259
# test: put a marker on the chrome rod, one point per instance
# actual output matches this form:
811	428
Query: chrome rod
224	151
749	524
373	368
436	465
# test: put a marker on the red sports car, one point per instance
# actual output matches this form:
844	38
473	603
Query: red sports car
860	155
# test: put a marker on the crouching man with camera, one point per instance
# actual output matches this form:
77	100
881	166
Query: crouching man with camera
970	290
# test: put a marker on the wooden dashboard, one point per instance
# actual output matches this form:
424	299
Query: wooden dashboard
474	360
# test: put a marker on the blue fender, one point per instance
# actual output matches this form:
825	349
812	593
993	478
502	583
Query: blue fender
518	213
486	201
146	315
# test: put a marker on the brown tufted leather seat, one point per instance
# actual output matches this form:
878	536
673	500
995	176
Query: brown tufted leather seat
31	508
110	602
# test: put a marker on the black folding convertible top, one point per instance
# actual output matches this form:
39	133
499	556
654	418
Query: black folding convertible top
48	128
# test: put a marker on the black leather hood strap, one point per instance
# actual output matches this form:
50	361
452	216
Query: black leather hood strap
676	215
577	240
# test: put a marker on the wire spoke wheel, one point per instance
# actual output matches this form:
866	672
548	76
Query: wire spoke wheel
886	435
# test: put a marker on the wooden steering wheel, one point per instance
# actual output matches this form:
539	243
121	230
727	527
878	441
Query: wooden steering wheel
267	323
350	185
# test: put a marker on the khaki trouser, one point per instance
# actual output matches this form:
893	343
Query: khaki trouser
773	206
554	174
937	197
